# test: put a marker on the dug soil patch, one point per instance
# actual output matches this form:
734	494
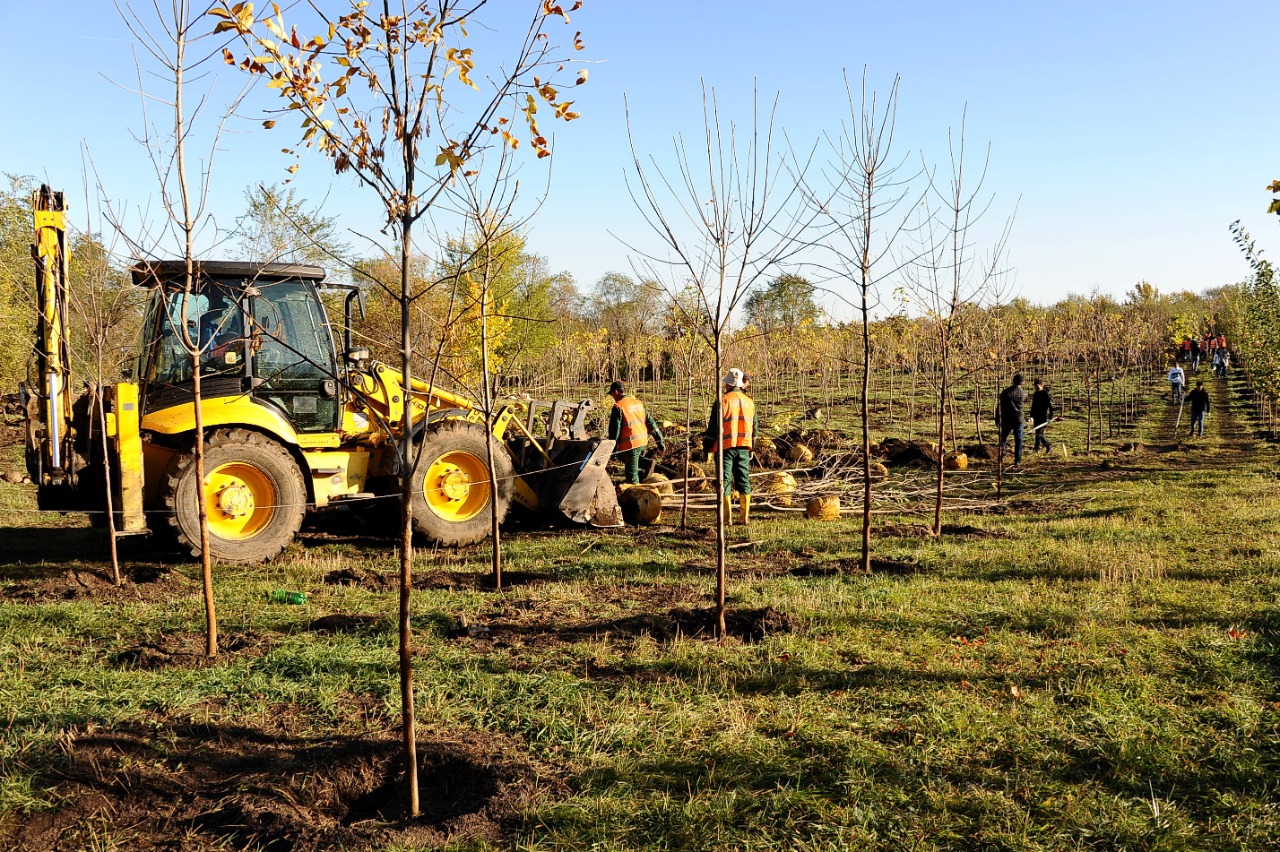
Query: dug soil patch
203	786
143	582
846	567
376	581
187	650
746	625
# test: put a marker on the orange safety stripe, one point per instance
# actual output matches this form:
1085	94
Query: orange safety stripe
737	411
633	434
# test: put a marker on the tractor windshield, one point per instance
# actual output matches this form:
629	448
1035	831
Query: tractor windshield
206	322
268	338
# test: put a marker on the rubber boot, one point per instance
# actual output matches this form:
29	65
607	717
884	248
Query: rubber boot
728	511
744	516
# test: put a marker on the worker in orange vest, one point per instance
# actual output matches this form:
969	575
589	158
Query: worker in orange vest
733	426
631	426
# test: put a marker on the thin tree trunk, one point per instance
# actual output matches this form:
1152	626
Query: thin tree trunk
106	474
487	391
407	477
721	519
188	229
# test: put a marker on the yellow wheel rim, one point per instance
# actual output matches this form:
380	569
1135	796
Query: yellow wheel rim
457	486
240	500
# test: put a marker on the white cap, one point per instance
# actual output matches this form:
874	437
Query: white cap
734	378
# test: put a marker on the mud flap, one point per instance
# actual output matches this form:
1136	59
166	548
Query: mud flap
591	498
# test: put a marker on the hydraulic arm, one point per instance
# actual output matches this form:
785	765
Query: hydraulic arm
50	450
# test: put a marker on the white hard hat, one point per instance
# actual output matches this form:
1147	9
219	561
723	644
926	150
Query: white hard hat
733	378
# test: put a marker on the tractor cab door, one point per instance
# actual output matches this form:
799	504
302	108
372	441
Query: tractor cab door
292	352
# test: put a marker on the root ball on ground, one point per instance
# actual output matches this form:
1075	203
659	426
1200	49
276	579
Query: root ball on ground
823	508
640	506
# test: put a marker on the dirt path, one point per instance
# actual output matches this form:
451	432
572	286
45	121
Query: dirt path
1228	429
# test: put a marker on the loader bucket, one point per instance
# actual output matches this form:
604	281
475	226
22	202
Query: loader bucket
578	487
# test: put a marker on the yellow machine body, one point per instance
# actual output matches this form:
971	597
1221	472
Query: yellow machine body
286	426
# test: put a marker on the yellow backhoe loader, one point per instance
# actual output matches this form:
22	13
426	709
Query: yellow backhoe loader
287	427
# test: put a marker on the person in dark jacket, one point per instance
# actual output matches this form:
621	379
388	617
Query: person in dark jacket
631	426
1009	416
1041	414
1198	399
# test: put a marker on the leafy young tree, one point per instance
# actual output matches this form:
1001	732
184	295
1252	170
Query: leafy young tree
385	92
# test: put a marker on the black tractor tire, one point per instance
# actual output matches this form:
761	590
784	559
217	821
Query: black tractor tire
452	486
255	495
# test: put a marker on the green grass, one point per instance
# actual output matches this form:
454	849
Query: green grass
1104	677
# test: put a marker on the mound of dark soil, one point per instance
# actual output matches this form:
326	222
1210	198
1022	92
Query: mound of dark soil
169	786
985	452
899	453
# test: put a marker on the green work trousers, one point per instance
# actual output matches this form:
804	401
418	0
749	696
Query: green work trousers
631	465
737	469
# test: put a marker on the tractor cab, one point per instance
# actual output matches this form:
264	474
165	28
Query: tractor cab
259	331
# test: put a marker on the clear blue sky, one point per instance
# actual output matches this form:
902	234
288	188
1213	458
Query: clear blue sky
1129	135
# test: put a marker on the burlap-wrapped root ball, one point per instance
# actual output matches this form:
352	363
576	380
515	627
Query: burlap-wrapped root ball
659	483
778	488
800	454
640	506
879	473
764	445
956	461
698	480
823	508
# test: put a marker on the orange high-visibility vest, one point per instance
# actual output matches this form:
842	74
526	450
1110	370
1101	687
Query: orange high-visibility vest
633	434
737	413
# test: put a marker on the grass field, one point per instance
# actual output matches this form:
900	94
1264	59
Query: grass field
1089	663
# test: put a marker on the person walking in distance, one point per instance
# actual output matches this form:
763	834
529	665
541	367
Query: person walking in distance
1041	414
1009	417
1177	383
630	425
732	425
1199	402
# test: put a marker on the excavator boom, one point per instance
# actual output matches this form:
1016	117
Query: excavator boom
50	452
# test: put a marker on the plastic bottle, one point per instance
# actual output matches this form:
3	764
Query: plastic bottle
281	596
